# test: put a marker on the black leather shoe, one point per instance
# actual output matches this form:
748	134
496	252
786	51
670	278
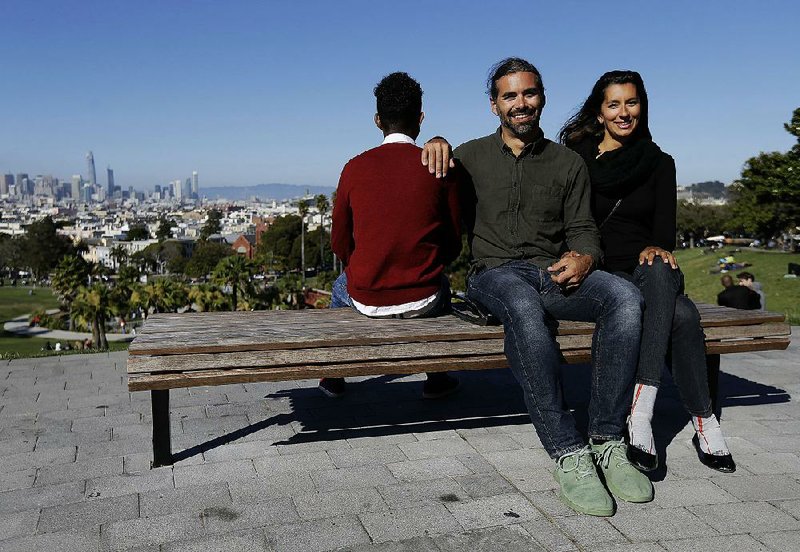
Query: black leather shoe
644	461
719	462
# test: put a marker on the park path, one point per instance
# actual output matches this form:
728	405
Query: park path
21	327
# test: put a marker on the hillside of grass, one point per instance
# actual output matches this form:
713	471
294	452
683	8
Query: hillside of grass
16	301
769	267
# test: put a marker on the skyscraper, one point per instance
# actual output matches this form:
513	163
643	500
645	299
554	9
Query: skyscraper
22	184
110	175
195	186
90	166
6	183
77	184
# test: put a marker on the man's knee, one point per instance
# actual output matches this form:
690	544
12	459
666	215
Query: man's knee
507	296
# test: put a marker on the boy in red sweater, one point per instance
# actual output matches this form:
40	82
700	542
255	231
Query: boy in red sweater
395	226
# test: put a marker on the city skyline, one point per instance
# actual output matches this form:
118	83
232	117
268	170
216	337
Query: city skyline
267	92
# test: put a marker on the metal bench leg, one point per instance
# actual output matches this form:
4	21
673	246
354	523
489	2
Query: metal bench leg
712	363
162	446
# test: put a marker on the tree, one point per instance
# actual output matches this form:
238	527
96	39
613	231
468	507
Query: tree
71	274
164	231
42	247
93	306
235	272
696	221
275	248
138	232
767	197
322	207
163	295
119	255
207	297
302	207
205	257
213	224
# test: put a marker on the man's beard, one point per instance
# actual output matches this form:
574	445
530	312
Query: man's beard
521	129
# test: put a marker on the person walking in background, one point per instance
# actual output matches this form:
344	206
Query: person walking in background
634	205
395	227
737	296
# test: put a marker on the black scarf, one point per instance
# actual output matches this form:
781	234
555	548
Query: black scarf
617	172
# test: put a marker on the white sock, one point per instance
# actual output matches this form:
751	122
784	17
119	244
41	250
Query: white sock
712	441
640	429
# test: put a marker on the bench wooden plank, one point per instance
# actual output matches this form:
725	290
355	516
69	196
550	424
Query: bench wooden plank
219	332
256	373
388	351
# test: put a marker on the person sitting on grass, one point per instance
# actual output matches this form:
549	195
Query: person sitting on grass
395	226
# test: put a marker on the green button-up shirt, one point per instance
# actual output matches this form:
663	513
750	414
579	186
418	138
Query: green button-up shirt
532	207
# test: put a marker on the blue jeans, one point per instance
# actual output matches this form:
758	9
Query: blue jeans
671	335
528	303
340	298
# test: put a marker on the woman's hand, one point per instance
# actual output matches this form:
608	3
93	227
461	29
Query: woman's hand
650	252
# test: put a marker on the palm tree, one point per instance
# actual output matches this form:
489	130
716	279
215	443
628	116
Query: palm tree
302	206
163	295
322	207
333	202
119	255
93	306
69	276
206	297
235	271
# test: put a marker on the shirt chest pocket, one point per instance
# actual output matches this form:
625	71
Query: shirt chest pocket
542	205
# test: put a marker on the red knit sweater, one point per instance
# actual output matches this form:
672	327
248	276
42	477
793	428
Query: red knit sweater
395	226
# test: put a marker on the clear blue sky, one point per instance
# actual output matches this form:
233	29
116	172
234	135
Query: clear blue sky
250	92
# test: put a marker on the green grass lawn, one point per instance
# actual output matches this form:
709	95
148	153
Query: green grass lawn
783	294
16	301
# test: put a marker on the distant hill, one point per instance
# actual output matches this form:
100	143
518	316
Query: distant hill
264	192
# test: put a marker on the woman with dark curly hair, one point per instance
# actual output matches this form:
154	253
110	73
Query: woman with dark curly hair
634	205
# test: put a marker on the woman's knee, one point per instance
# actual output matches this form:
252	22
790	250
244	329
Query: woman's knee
658	276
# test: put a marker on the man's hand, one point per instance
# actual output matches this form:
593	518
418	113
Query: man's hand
437	155
650	252
571	269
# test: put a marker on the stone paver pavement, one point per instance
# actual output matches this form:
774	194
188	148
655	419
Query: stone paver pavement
278	467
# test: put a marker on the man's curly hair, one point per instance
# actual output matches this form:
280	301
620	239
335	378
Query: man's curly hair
399	100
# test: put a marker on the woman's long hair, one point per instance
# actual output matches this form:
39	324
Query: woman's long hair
584	123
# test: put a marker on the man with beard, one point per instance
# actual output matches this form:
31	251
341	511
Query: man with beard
534	246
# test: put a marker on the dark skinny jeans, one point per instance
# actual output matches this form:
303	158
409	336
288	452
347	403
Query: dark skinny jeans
671	335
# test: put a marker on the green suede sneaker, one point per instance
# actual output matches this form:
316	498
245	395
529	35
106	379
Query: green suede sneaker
622	478
581	488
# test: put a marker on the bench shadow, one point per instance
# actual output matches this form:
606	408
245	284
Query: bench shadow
391	405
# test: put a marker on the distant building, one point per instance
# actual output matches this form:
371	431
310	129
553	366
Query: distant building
110	177
245	245
92	176
195	186
177	190
6	183
77	185
22	184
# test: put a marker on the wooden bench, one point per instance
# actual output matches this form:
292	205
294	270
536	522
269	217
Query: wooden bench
218	348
